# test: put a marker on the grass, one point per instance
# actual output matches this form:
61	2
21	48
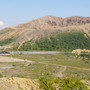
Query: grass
27	70
1	75
77	72
47	63
60	59
4	32
7	41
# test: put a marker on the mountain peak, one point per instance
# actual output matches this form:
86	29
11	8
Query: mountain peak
49	16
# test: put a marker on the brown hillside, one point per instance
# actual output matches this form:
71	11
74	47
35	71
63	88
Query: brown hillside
45	26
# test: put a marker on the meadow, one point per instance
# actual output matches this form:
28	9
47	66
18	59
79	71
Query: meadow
51	63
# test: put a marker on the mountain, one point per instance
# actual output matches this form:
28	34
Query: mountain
44	26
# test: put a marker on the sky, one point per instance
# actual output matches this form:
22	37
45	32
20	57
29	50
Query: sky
13	12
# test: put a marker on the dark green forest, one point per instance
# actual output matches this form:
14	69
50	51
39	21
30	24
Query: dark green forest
7	41
59	42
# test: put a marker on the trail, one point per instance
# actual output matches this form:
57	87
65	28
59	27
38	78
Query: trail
62	69
10	59
60	73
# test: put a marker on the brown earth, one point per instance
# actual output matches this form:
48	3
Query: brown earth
15	83
87	83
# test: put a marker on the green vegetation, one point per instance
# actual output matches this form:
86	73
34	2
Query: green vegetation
15	46
85	56
7	41
78	72
1	75
4	32
62	42
27	70
49	82
59	59
51	63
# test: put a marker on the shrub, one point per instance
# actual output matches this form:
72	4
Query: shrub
7	41
62	42
55	83
1	75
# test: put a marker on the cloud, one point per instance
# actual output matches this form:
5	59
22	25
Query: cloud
1	23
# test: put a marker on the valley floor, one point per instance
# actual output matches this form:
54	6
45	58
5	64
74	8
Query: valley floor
22	69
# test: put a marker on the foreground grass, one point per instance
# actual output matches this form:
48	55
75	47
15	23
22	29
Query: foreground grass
49	82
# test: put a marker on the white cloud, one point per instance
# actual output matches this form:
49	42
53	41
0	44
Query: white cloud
1	23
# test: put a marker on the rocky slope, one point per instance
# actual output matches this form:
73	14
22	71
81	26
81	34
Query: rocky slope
45	26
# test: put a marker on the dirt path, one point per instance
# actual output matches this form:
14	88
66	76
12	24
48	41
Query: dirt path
60	73
10	59
62	69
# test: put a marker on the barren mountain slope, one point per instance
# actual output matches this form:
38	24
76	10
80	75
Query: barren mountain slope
45	26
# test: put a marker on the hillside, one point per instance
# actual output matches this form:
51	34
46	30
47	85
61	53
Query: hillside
18	84
42	27
59	41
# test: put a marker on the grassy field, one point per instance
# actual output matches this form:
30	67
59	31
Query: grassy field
59	59
78	72
27	70
50	63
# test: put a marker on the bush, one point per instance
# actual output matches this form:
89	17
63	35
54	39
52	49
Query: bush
1	75
67	83
62	42
85	56
7	41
